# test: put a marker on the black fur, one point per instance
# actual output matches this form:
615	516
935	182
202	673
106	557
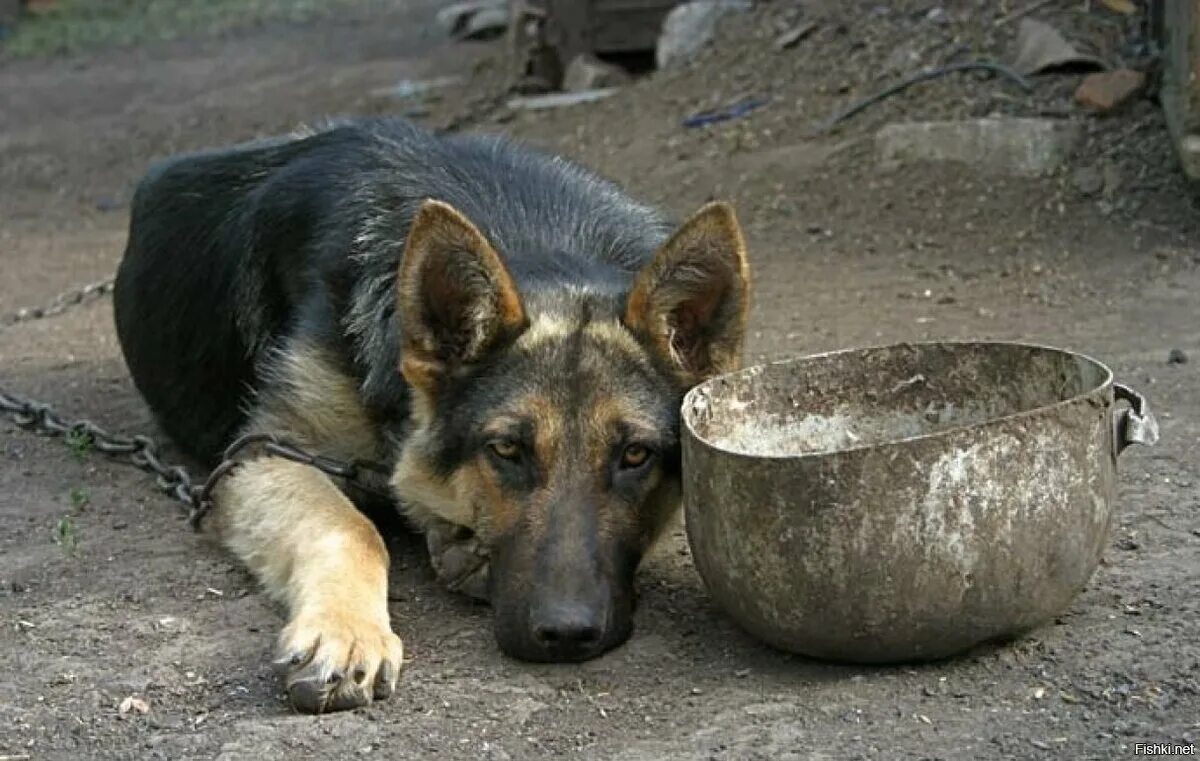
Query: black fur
304	235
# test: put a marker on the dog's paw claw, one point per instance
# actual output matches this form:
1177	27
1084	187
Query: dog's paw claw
385	682
319	650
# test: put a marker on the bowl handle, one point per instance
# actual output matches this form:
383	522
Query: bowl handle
1134	424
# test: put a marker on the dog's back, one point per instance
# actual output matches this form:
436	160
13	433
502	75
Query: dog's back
230	250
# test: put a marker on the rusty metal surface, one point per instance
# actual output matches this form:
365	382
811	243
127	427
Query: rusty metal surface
902	503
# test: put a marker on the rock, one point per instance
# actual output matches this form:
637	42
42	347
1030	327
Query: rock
586	72
1177	357
559	99
1088	180
473	18
938	16
689	27
1040	47
487	24
792	36
1109	90
1026	147
904	59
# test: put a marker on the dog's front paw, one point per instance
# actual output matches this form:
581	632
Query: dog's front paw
459	559
335	659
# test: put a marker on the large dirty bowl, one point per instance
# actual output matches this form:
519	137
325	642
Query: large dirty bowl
906	502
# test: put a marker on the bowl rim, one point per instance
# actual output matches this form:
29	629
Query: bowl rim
687	409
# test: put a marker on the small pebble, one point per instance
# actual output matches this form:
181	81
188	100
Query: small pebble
1177	357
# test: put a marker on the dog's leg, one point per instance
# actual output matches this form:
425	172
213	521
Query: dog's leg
317	554
309	546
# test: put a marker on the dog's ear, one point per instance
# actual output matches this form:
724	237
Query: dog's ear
690	302
457	300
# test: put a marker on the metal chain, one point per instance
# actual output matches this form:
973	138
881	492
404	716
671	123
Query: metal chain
143	452
65	301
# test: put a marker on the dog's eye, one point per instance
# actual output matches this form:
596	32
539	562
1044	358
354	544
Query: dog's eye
505	449
634	456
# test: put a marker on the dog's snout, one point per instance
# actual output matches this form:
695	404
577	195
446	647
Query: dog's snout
567	630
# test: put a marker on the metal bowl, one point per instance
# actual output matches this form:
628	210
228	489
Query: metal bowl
905	502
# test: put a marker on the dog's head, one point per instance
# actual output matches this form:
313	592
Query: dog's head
548	421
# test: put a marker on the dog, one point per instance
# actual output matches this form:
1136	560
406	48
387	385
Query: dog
509	332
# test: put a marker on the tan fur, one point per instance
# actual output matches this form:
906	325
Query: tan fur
449	262
308	545
470	498
426	497
660	507
543	329
497	513
614	333
548	426
313	551
660	299
310	401
608	412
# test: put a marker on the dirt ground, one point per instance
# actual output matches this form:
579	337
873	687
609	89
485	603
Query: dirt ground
120	600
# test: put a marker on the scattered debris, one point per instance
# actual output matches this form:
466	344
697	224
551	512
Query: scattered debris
1027	147
689	27
133	703
792	36
1177	357
559	99
1125	7
474	19
1041	48
904	58
732	111
1109	90
937	15
1015	15
923	76
587	72
487	24
408	88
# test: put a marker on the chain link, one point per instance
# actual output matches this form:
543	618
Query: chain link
143	452
65	301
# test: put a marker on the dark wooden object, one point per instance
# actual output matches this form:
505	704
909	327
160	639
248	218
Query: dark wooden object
1176	26
545	35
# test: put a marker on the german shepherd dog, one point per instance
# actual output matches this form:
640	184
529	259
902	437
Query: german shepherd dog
512	334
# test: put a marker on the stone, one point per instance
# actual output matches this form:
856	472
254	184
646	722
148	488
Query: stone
1109	90
691	26
1041	48
586	72
938	16
559	99
1025	147
1177	357
792	36
473	18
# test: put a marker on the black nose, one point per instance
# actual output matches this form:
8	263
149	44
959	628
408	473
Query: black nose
567	630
